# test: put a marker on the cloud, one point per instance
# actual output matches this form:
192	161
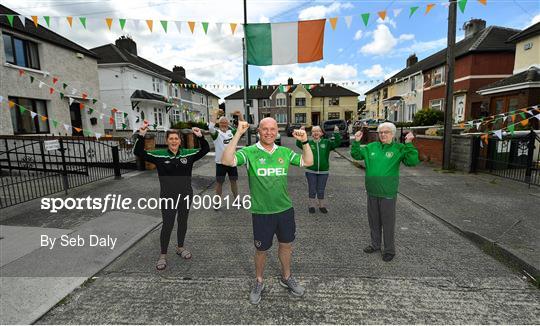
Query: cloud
308	74
383	42
388	21
316	12
374	71
406	37
358	35
534	20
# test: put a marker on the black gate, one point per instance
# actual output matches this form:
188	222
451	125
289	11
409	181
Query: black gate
514	157
33	167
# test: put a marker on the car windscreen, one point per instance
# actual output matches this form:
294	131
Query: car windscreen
330	124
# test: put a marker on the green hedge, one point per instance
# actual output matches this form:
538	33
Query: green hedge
428	117
189	125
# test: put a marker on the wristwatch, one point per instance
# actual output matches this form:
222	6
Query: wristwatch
305	142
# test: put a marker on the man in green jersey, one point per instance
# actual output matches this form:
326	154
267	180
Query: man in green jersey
382	160
271	206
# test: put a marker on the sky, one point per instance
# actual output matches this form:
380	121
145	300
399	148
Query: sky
356	53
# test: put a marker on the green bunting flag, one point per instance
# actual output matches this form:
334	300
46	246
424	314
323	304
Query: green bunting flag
32	79
205	27
22	109
64	85
90	110
55	123
125	114
413	10
522	115
10	19
511	128
61	95
47	20
124	126
122	22
462	4
365	18
83	21
164	25
87	133
94	101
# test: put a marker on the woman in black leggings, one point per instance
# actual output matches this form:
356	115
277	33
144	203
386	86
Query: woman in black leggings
174	166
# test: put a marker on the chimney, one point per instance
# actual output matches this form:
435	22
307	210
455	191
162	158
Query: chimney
322	80
259	83
473	26
126	43
179	72
411	60
290	81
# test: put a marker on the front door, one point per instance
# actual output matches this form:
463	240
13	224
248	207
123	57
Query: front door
459	108
315	118
76	121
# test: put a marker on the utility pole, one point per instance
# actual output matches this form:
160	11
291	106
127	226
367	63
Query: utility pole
450	60
246	78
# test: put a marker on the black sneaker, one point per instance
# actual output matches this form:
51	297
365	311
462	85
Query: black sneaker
323	210
311	210
370	250
388	257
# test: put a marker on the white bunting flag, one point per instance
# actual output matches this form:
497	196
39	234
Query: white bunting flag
478	125
218	26
66	126
348	21
537	116
33	114
178	26
397	12
98	135
23	20
71	100
41	84
498	133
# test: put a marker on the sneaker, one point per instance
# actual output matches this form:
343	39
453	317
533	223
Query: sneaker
292	285
388	257
256	292
370	250
311	210
323	210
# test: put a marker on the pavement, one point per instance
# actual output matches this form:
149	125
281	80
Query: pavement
437	276
499	215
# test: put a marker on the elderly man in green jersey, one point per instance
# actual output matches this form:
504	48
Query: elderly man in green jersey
271	206
382	160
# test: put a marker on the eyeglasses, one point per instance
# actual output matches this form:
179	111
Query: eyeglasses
386	132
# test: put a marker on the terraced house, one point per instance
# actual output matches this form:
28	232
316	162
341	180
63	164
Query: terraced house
305	104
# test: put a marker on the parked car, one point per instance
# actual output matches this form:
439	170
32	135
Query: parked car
291	127
277	141
328	128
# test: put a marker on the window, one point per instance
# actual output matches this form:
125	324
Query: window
436	104
300	101
437	76
281	100
158	116
513	104
23	123
156	85
333	101
411	112
250	103
333	115
176	92
21	52
300	118
176	116
120	120
412	83
265	103
281	118
385	93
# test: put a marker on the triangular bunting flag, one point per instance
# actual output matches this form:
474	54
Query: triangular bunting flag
205	27
498	133
77	129
413	10
73	91
66	126
111	120
54	80
348	21
164	25
429	7
33	114
47	20
70	21
150	24
83	21
511	128
109	22
524	122
21	72
64	85
537	116
11	104
478	125
484	2
104	105
382	14
124	126
333	22
522	115
61	95
122	22
35	20
22	109
55	123
51	90
41	84
233	27
90	111
98	135
218	27
462	4
81	106
71	100
43	118
10	19
191	26
125	114
84	96
504	118
178	26
397	12
365	18
23	20
94	101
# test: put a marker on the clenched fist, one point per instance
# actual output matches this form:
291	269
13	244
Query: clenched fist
300	135
243	126
409	137
143	128
196	131
358	135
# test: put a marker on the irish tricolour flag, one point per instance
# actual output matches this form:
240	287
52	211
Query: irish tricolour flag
284	43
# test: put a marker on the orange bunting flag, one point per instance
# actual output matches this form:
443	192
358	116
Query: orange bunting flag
111	120
21	72
233	27
382	14
114	110
513	117
191	26
485	138
78	129
51	90
429	7
43	118
35	20
524	122
333	23
81	106
462	125
11	104
54	80
484	2
84	96
109	22
150	24
70	21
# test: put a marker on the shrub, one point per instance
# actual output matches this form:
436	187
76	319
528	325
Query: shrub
428	117
190	124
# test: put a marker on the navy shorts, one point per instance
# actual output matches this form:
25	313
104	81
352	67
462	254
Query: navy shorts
266	225
223	170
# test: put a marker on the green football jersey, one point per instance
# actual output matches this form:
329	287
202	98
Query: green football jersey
267	175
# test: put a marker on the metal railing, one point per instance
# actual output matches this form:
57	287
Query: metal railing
513	157
32	167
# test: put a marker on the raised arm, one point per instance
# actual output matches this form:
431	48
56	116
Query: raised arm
230	149
357	152
337	139
410	153
138	149
205	148
307	154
